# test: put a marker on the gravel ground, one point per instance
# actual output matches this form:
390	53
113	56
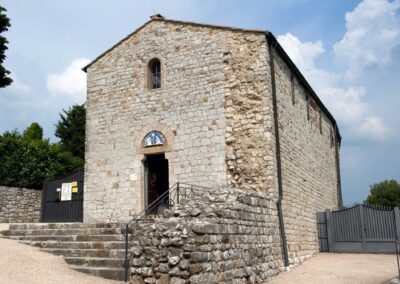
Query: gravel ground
24	264
335	268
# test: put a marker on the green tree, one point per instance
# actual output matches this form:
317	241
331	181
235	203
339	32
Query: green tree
385	193
34	132
4	25
27	160
71	130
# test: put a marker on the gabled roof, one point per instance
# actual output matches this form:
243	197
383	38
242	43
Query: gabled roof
158	17
271	38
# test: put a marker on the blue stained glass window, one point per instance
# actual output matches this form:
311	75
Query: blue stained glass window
153	138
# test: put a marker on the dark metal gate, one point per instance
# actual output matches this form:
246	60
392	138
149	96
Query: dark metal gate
54	209
362	228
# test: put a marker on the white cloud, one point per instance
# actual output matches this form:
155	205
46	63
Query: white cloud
71	81
303	53
372	32
345	101
372	128
17	86
346	104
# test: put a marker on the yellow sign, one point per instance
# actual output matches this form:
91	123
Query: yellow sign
74	184
75	189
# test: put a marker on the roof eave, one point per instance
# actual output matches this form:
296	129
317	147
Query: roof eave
170	21
302	80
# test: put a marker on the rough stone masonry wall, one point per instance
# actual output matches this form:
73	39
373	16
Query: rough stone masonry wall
250	149
218	236
308	164
19	205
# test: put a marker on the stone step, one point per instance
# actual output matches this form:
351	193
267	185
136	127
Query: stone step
5	234
71	238
65	232
113	253
76	245
95	261
105	272
37	226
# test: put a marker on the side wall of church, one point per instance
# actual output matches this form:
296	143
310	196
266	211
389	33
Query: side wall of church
308	163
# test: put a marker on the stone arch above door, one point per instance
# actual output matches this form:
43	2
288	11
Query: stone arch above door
167	146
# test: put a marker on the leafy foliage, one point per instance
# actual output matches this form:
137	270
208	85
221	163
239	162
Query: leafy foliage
4	25
385	193
33	132
28	159
71	130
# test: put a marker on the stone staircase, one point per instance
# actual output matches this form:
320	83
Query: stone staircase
94	248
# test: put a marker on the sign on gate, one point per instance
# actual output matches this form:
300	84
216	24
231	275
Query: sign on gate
66	191
362	228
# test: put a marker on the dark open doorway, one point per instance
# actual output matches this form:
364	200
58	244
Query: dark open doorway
156	178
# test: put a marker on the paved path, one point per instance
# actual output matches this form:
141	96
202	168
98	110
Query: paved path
23	264
335	268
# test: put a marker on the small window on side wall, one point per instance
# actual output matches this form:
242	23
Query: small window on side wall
154	74
320	121
331	138
292	89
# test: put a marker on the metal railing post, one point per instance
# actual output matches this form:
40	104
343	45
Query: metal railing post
145	213
177	193
126	252
397	257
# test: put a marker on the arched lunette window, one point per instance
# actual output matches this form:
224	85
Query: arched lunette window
154	73
154	138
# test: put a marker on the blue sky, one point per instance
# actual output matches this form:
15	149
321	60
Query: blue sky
348	50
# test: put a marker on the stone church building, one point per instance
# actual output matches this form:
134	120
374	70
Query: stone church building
214	106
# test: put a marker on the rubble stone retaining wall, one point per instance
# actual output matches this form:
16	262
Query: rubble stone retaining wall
19	205
220	236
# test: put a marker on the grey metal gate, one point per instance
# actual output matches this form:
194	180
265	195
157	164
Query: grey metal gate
362	228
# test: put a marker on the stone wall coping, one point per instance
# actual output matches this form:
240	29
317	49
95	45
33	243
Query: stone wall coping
17	188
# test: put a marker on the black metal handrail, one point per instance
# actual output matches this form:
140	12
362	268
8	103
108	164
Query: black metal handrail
397	258
167	200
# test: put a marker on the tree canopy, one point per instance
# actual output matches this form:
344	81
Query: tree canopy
385	193
5	80
71	130
27	159
33	133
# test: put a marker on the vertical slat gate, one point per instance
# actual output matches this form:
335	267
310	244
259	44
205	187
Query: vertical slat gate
322	232
55	210
362	228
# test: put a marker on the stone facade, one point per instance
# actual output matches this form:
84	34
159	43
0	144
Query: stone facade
212	138
217	236
19	205
216	110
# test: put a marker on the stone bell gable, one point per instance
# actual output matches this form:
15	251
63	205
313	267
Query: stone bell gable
213	106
